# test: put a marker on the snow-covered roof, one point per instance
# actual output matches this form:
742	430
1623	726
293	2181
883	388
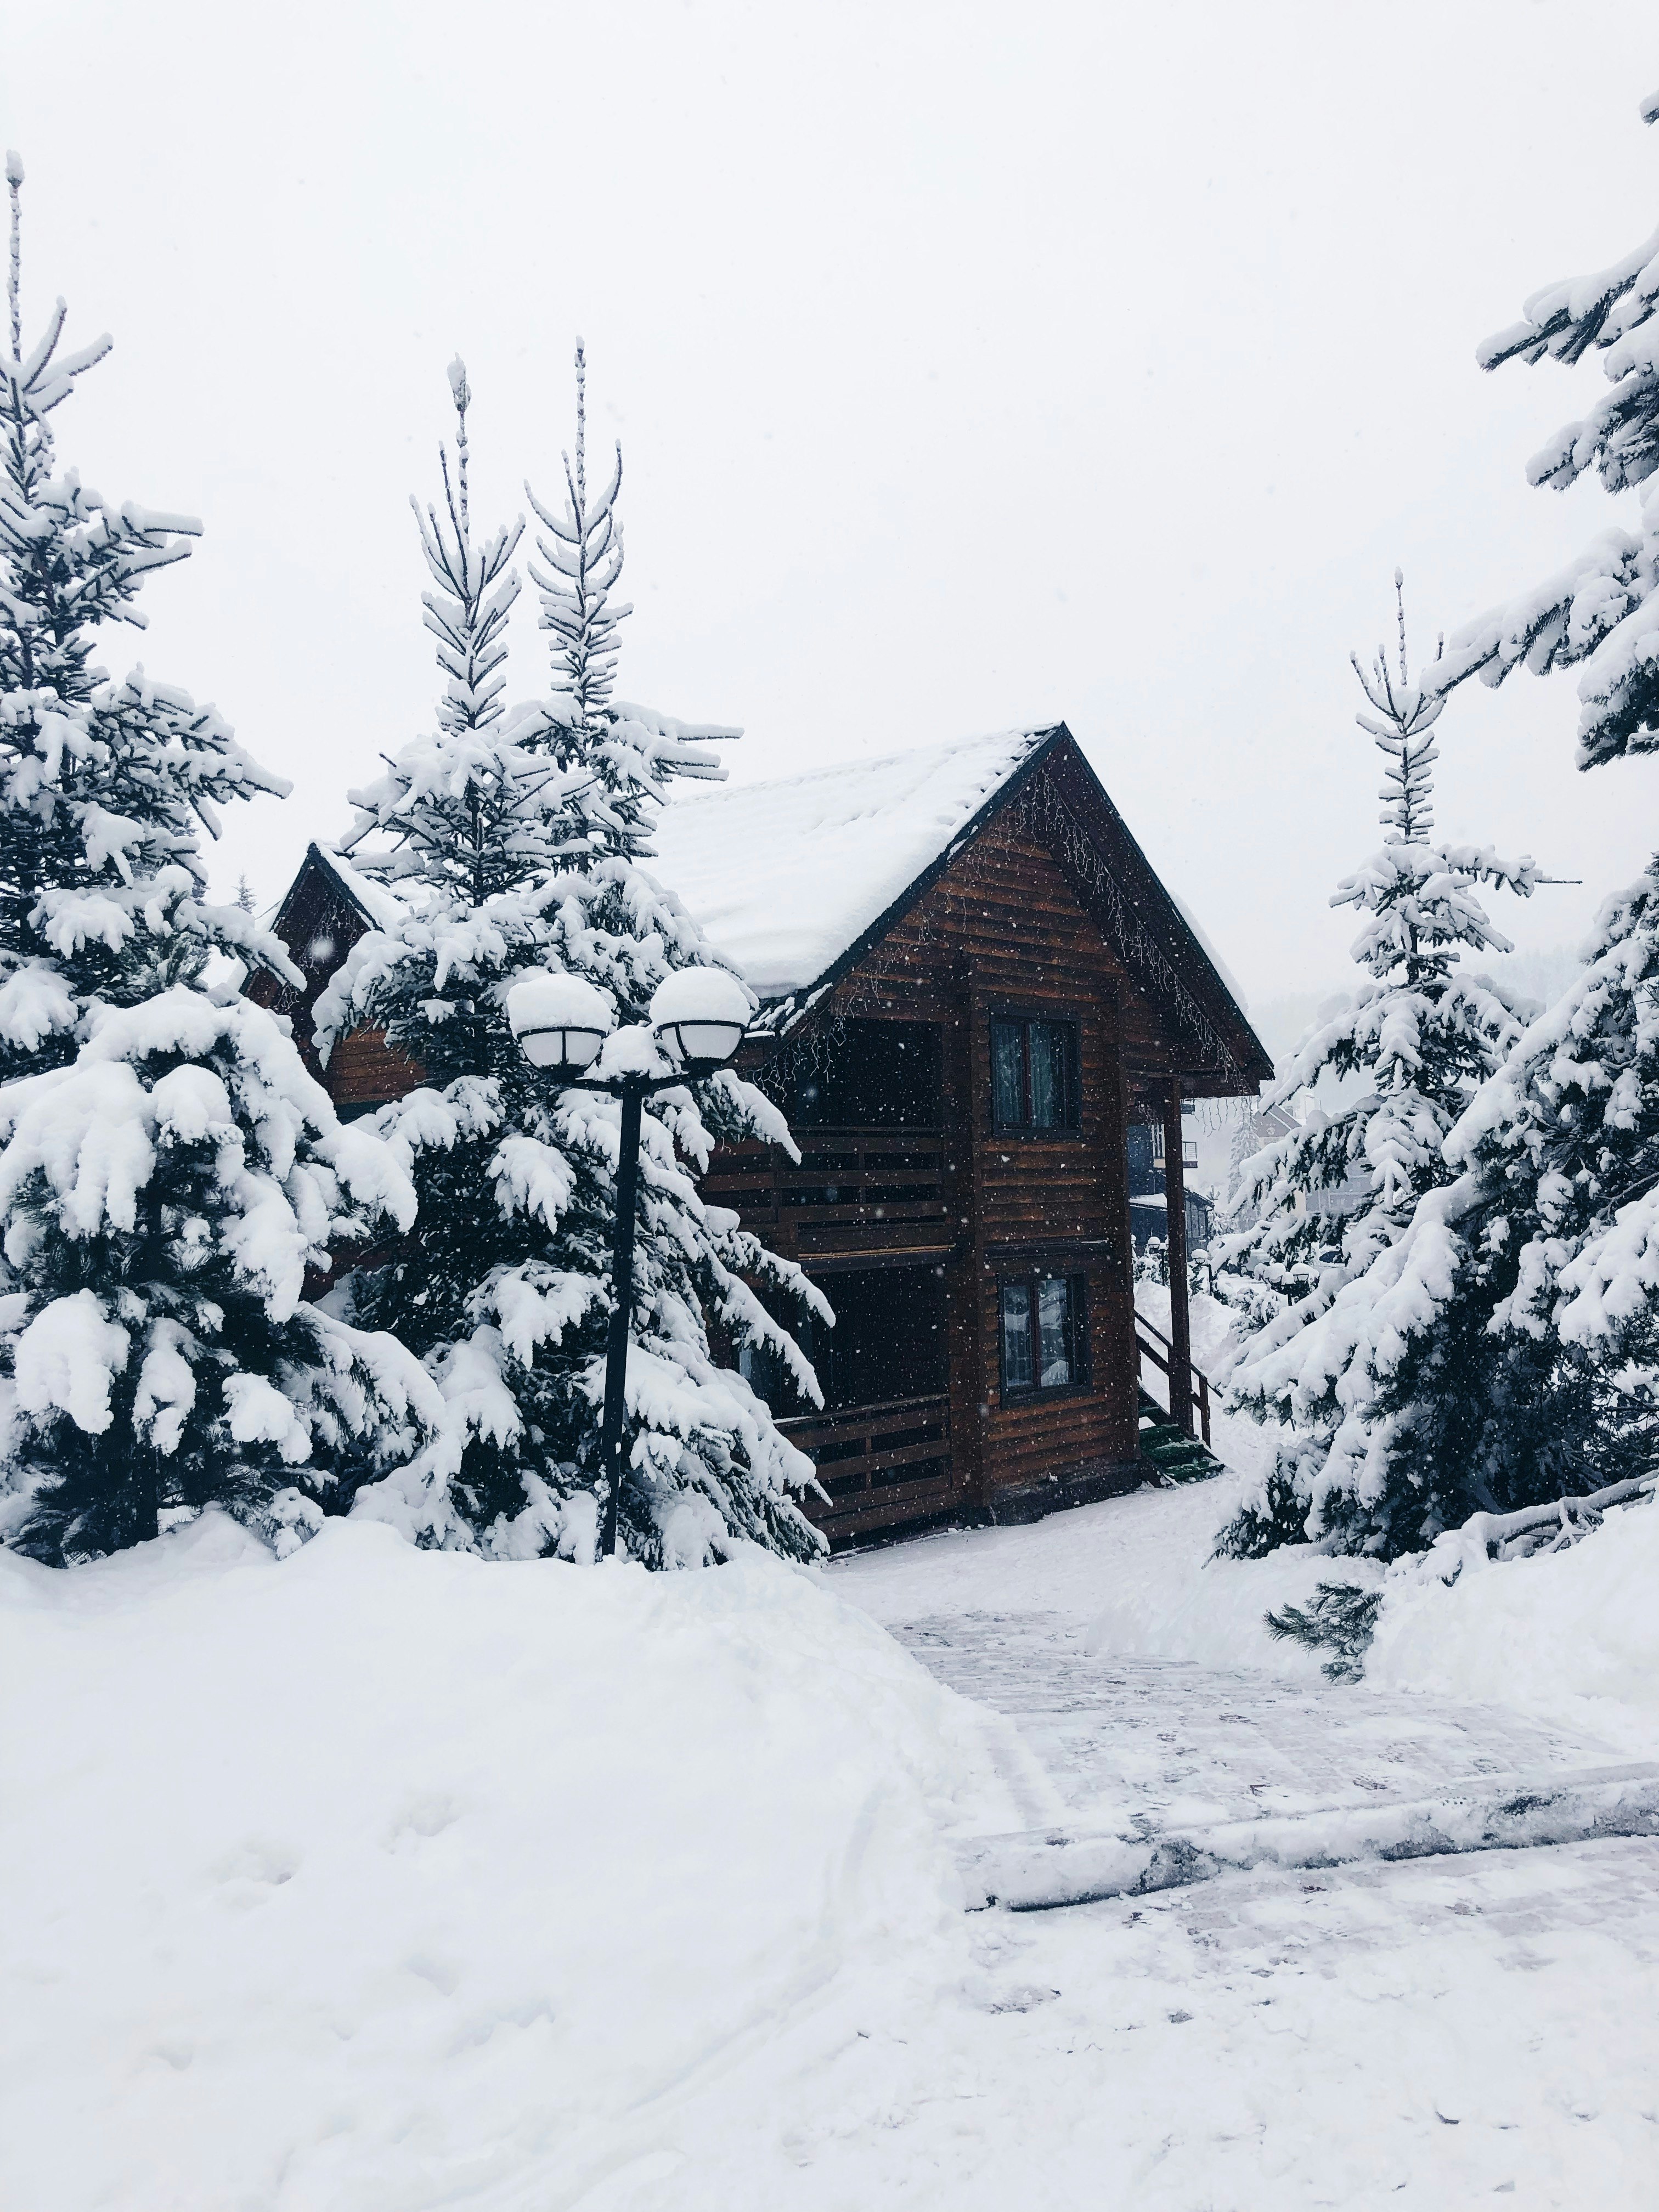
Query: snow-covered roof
1210	952
379	905
783	877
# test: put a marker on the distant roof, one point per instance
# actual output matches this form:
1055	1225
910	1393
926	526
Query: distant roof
783	877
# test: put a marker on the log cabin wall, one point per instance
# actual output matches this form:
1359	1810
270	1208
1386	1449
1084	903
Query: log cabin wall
1001	931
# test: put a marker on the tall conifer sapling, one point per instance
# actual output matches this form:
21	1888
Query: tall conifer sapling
515	839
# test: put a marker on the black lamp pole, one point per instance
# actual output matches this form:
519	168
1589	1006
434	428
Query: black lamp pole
621	1284
633	1090
561	1022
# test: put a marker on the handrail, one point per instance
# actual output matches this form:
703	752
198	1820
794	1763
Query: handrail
1199	1384
856	1413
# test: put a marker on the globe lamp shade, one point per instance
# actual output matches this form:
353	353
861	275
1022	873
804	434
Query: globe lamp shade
561	1021
700	1015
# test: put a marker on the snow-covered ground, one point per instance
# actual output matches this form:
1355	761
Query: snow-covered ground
388	1879
383	1878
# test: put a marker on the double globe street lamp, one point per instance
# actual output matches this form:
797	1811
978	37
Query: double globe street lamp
562	1023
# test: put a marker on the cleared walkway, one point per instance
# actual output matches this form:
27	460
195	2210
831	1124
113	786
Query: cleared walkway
1156	1743
1164	1773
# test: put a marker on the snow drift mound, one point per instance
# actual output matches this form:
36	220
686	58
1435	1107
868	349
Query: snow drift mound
396	1877
1582	1624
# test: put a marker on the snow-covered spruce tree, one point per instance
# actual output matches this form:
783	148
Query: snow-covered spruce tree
1395	1069
168	1167
516	839
1503	1353
1601	613
161	1198
104	786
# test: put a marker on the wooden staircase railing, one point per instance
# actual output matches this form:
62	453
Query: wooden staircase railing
1149	1339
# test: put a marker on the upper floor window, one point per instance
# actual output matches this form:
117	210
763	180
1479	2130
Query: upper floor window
1034	1074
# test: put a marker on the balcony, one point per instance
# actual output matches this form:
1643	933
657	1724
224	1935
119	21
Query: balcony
881	1464
854	1191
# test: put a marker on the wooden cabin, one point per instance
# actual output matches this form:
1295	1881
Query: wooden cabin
325	911
974	989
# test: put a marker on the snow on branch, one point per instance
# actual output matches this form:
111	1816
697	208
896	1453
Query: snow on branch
1553	1527
476	587
583	551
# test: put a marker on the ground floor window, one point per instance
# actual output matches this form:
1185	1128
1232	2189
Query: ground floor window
1045	1335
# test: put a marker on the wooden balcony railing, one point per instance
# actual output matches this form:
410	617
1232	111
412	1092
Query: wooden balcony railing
880	1464
891	1181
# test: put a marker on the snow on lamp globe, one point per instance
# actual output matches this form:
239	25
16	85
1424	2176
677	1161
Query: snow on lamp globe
560	1020
700	1016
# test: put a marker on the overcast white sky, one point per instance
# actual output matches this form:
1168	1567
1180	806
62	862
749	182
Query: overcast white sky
975	366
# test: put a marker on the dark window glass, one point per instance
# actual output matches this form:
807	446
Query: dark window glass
1044	1333
1049	1070
888	1341
1016	1336
1008	1071
871	1075
1034	1075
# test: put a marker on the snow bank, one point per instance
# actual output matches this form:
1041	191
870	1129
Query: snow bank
396	1878
1173	1600
1576	1630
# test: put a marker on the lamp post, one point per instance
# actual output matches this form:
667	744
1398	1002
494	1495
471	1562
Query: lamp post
698	1017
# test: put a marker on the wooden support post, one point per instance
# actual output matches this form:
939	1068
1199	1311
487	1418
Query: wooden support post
1180	1335
980	1350
1126	1348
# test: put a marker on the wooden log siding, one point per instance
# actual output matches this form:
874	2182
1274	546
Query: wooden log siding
1002	927
365	1071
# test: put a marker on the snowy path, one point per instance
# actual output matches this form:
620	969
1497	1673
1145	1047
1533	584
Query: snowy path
1434	2032
428	1928
1148	1743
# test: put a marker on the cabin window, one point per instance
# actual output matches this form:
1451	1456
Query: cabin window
1034	1074
1045	1334
871	1075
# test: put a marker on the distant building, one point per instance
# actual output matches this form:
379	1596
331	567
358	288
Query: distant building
1149	1203
1265	1128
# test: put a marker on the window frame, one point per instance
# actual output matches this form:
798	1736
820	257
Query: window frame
1189	1149
1024	1017
1077	1320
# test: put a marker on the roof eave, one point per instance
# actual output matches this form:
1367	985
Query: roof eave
1248	1057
